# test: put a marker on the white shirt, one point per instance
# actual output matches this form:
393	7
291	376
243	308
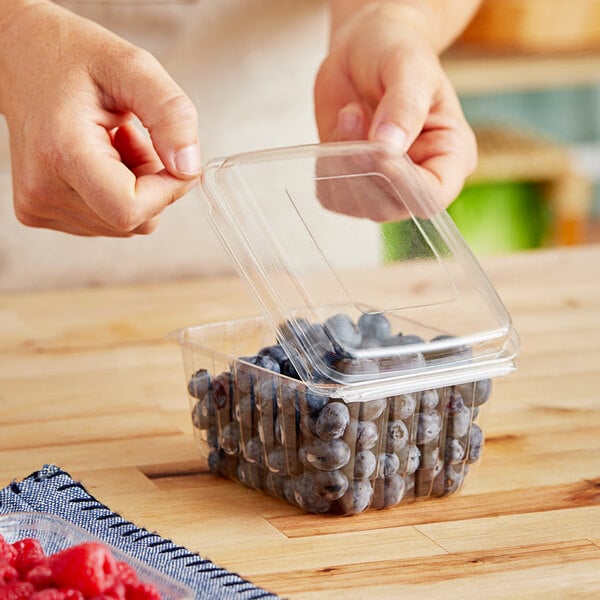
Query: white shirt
249	67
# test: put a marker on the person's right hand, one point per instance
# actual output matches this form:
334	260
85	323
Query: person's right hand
70	92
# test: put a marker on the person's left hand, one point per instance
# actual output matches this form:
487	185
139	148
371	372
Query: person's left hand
382	80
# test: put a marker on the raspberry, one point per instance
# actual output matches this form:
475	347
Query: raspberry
40	576
142	591
70	594
8	573
84	572
7	552
47	594
126	573
29	554
89	568
16	590
117	590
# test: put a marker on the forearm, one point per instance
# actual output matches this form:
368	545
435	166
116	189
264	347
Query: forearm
440	21
10	13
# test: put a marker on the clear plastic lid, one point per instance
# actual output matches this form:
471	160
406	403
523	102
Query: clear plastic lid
363	278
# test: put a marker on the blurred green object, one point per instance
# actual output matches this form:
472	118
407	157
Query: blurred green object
494	218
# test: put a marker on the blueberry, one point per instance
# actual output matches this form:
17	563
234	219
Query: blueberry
276	352
357	498
253	450
199	384
410	339
429	457
230	438
356	366
401	362
374	325
367	435
370	342
274	484
309	408
302	452
424	482
403	407
288	369
266	396
228	465
388	492
312	403
247	376
455	451
429	427
453	479
213	460
403	340
475	394
290	392
459	416
327	456
332	421
318	339
389	463
212	437
278	429
222	390
265	421
277	461
199	420
393	340
413	460
372	409
300	334
342	331
292	329
288	491
306	495
249	474
331	484
365	463
244	410
462	352
397	436
476	441
429	400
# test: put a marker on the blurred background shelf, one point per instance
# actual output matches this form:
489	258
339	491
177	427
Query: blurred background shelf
528	76
474	73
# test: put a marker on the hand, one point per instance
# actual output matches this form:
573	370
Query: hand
382	80
73	95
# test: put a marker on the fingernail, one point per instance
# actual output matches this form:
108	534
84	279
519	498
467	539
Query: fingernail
187	160
348	121
391	134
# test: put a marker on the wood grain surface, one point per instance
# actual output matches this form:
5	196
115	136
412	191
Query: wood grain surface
88	382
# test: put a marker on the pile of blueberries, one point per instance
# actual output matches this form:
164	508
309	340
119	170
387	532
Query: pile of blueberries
262	426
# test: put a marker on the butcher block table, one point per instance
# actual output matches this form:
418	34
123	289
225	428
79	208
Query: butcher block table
89	383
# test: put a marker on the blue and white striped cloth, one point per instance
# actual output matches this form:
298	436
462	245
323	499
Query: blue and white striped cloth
52	491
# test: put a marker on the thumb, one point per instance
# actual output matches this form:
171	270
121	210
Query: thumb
405	104
166	112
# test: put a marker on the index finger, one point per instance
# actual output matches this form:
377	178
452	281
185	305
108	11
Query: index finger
112	191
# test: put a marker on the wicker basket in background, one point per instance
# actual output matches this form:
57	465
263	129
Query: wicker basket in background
547	26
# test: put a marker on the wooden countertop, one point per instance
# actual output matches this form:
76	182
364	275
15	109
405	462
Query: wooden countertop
88	383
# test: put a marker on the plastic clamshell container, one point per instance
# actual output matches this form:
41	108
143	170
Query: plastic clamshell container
56	534
385	347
